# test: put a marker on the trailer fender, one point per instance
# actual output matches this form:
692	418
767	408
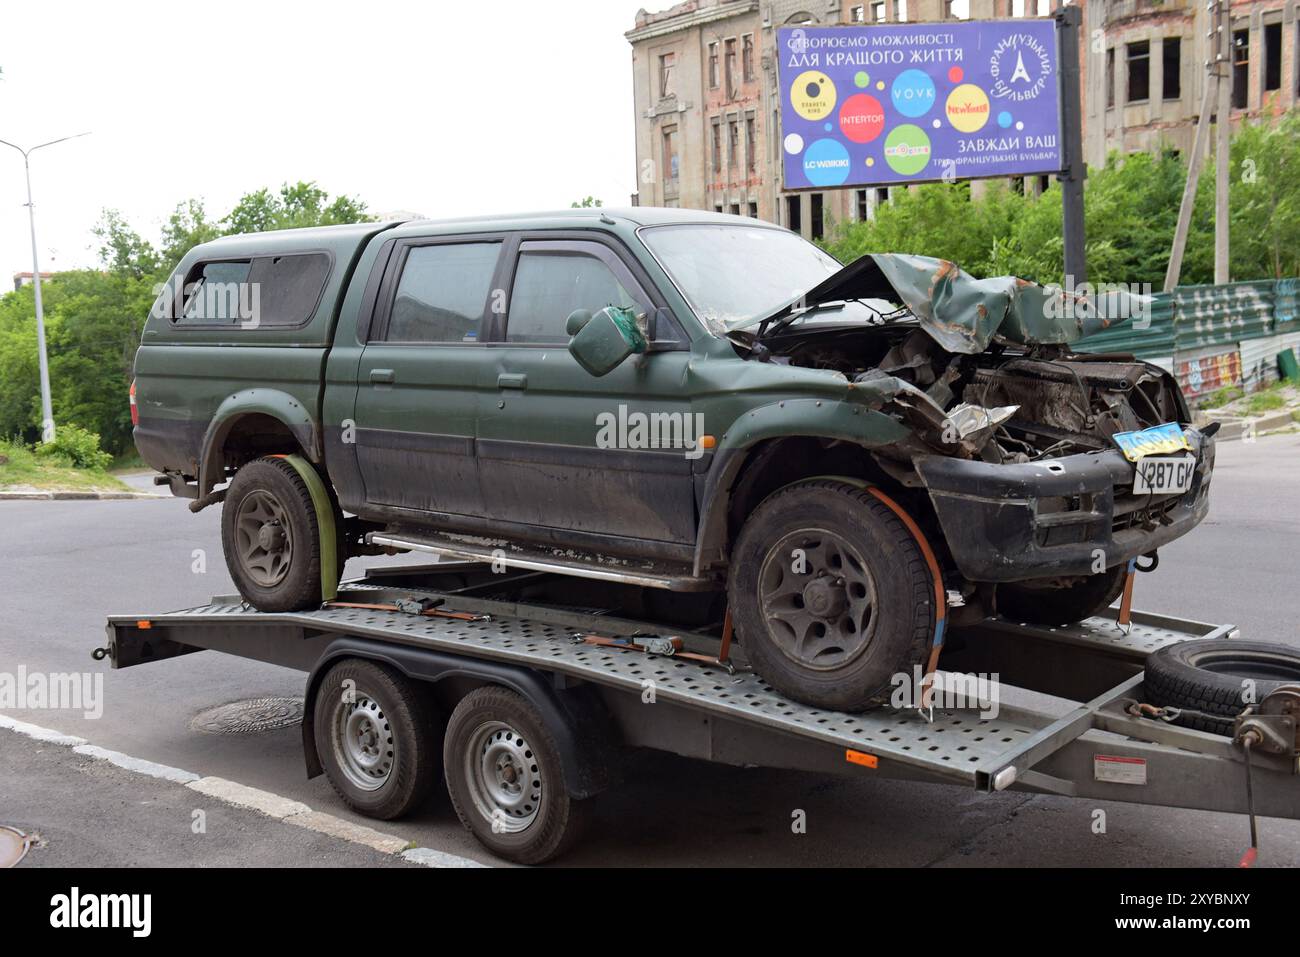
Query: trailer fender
583	731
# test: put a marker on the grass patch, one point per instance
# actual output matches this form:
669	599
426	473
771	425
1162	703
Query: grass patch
129	461
1266	400
19	465
1221	397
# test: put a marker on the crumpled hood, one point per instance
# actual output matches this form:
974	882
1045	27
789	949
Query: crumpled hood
962	313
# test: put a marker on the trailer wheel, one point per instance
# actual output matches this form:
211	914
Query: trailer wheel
377	738
1213	675
271	538
831	595
505	778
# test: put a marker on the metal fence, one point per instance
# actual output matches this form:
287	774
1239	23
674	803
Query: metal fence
1213	336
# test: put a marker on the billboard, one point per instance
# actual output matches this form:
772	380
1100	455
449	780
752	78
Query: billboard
906	103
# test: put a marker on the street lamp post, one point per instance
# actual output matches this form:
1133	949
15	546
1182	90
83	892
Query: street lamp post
47	410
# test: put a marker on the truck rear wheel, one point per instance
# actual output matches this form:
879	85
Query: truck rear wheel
271	537
505	778
831	595
377	738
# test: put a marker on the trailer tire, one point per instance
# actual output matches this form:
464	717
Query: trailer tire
1044	605
862	610
271	537
506	780
377	738
1209	674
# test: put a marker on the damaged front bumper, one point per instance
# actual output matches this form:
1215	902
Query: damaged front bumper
1046	519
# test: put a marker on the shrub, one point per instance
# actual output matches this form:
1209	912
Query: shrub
79	446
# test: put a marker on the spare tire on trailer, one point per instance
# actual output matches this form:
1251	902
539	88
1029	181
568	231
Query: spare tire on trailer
1219	677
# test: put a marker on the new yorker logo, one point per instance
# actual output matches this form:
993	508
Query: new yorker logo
651	430
74	910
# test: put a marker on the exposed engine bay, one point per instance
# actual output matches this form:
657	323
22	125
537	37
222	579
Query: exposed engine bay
1011	404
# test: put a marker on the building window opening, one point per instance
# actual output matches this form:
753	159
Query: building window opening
1171	68
1138	57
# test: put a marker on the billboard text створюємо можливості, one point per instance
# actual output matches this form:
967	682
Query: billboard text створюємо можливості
912	102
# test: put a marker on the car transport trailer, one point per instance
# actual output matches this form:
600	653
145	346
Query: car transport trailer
528	690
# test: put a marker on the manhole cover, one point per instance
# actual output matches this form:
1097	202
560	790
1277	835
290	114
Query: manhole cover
13	846
247	717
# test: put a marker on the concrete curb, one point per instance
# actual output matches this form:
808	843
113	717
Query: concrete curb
71	496
238	795
1235	427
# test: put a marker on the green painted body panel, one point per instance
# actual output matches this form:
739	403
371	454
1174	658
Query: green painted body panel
496	431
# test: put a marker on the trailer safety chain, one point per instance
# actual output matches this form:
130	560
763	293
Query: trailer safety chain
1140	709
423	607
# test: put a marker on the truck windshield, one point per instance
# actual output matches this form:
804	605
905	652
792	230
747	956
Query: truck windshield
732	275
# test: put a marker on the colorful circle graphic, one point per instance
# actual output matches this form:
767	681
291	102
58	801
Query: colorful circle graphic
967	108
912	93
907	149
812	95
861	79
826	163
793	143
862	118
1004	119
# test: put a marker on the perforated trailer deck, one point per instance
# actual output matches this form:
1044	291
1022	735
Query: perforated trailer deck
1062	724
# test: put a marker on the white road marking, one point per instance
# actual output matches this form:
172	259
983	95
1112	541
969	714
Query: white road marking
241	795
254	799
432	858
138	765
39	733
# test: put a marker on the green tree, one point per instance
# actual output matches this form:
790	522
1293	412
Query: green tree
587	202
122	249
292	207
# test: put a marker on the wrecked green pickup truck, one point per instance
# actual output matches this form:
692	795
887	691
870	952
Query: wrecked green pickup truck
845	457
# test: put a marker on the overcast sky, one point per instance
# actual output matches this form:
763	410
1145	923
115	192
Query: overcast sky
438	107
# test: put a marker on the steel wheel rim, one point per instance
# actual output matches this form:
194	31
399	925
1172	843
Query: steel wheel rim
504	778
364	744
263	540
818	599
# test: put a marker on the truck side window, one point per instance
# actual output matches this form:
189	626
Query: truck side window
551	284
264	291
443	293
214	295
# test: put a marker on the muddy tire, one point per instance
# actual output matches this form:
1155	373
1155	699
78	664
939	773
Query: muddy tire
378	738
505	778
830	595
271	538
1212	676
1046	605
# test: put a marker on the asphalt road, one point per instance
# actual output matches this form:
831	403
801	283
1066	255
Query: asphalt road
65	566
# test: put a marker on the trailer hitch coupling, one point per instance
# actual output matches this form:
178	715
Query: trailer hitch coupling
1272	726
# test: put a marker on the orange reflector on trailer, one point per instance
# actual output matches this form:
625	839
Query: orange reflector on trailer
144	624
861	757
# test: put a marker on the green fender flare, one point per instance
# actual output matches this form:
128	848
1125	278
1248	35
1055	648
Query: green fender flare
324	506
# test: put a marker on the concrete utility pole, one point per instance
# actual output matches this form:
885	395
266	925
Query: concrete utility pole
1219	41
1223	136
47	410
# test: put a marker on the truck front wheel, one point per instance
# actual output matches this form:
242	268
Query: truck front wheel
831	595
271	537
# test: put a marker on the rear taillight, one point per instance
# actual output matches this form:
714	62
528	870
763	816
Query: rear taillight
135	409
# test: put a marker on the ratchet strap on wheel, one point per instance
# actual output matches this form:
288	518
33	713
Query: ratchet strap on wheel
324	507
